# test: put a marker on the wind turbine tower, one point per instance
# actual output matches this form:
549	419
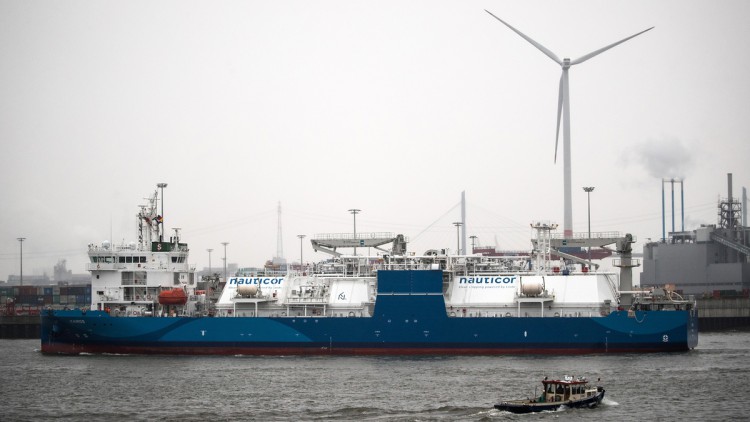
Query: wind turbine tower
279	258
563	108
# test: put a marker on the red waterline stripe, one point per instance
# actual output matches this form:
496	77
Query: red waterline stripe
57	348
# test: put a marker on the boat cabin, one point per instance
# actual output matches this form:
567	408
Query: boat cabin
567	389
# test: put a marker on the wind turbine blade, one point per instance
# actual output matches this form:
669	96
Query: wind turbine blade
603	49
541	48
559	112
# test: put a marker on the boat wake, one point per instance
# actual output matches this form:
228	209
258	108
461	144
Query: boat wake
609	402
496	412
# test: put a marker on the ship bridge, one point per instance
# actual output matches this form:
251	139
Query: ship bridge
328	243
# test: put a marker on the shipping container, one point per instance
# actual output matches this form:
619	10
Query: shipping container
26	290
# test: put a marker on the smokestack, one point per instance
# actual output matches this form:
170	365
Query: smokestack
729	186
730	214
663	207
744	207
663	217
673	229
682	205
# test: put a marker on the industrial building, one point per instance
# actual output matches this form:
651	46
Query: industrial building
710	261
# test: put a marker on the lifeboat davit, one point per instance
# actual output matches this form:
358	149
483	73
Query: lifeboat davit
173	297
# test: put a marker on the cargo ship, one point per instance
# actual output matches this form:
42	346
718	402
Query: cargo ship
144	300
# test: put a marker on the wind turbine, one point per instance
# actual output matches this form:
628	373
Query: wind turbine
563	108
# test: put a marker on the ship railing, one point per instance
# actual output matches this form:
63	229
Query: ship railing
262	272
138	267
627	262
134	283
479	311
585	235
571	310
578	311
487	264
408	266
101	266
138	298
476	271
117	248
332	274
339	271
346	236
307	300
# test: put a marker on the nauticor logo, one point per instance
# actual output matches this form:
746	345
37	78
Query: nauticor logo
256	280
487	280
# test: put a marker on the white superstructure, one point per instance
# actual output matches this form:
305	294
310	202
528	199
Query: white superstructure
127	279
473	286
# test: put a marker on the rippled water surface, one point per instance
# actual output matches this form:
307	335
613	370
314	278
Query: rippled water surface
698	385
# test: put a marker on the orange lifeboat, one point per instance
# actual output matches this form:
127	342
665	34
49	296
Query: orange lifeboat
173	297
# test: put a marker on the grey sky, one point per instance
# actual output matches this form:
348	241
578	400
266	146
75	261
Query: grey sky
391	107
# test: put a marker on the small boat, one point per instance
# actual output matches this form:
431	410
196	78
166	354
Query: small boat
173	297
568	392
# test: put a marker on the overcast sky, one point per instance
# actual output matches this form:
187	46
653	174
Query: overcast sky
391	107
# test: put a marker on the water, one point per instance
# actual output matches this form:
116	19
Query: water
706	384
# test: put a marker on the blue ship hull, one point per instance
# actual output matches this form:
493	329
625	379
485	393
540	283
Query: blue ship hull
409	318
